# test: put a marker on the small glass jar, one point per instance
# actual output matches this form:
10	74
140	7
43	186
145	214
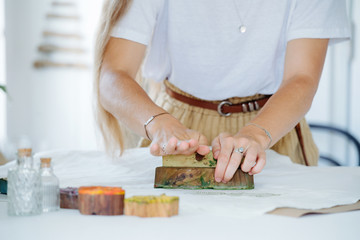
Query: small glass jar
24	182
50	187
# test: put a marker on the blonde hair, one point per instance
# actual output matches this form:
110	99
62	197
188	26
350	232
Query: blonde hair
109	126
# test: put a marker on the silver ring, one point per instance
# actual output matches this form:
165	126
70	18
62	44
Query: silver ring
239	150
163	148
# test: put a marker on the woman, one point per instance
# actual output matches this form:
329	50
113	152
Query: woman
240	74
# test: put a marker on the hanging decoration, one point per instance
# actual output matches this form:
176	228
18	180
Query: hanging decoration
62	43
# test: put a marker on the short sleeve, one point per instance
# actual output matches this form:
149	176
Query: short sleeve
319	19
139	21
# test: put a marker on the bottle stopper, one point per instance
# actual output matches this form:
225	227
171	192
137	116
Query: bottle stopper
45	162
24	152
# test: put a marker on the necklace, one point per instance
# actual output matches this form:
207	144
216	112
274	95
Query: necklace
242	27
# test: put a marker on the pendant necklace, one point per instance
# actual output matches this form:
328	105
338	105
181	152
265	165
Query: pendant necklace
242	27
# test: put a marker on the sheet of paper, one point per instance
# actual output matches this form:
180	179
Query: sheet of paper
295	212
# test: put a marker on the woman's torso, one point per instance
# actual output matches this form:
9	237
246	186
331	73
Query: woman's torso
197	44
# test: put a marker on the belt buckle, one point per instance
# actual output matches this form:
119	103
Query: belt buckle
250	106
219	108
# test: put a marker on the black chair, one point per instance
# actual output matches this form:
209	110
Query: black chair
338	131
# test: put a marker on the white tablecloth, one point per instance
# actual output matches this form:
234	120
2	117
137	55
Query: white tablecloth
281	184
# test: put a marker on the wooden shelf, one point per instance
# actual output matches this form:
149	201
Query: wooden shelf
63	35
63	4
69	17
53	48
46	63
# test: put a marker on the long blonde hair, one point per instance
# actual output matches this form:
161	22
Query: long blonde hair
109	126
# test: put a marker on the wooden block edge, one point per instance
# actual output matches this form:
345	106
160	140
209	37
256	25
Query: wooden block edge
248	185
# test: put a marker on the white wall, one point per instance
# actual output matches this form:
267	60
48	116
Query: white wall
2	74
52	107
336	101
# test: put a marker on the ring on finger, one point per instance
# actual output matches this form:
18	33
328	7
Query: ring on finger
163	149
240	150
252	164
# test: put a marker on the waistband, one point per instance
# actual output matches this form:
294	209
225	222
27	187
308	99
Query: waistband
224	107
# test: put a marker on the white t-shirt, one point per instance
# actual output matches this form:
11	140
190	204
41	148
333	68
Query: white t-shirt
197	44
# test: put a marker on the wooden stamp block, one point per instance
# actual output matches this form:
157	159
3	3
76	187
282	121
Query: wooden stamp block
152	206
69	198
101	200
199	178
193	160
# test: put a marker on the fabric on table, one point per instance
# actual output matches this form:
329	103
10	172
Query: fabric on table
281	183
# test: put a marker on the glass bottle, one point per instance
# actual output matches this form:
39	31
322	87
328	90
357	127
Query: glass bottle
50	187
24	182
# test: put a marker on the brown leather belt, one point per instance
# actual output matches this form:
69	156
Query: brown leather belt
224	108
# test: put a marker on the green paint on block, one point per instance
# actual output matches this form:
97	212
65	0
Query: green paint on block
204	184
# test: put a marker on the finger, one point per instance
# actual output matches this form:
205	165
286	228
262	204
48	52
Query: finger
193	145
186	147
216	144
232	166
203	150
216	147
182	146
250	159
224	157
203	140
260	164
170	147
155	149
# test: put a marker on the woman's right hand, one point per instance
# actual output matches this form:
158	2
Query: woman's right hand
170	137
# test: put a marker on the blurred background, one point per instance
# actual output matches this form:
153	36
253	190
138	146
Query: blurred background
46	52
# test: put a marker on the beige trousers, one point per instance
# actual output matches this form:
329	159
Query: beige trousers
211	124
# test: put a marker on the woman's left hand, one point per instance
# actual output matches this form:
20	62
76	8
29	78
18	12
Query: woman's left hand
229	150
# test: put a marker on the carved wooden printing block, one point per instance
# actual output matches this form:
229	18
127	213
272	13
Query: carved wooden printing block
197	172
101	200
69	198
152	206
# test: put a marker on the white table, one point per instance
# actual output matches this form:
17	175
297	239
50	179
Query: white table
192	223
69	224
